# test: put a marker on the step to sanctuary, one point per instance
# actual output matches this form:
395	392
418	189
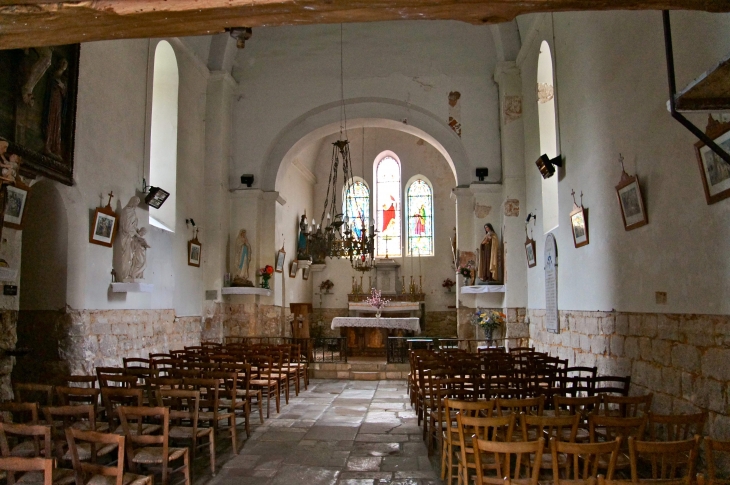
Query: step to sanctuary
358	370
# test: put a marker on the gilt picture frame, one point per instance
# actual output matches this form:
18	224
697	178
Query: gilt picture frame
280	258
631	202
104	227
195	252
530	253
293	269
305	273
579	226
714	171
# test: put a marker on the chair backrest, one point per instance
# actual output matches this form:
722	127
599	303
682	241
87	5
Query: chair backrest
20	412
116	397
615	427
669	459
132	417
581	460
116	380
505	454
675	427
712	447
78	395
563	428
532	405
626	406
136	362
209	392
582	406
21	432
29	392
14	465
79	416
612	385
96	441
81	381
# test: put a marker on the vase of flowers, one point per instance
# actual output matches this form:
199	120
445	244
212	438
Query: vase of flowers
466	271
326	286
377	301
488	320
448	284
265	274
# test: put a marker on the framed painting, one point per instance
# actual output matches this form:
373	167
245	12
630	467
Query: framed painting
579	225
293	269
280	256
305	273
195	250
714	171
16	199
38	89
104	227
631	202
530	253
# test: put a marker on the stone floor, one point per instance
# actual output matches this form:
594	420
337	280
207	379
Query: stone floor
336	433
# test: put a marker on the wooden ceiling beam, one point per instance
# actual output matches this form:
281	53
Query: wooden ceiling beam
31	23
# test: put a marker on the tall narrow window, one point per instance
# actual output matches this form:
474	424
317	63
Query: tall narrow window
548	134
163	133
356	201
419	201
388	205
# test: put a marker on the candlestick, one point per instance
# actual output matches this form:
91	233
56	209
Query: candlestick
403	284
353	284
420	284
370	282
419	263
361	283
412	266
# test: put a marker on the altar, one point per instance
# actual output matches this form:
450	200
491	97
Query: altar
369	336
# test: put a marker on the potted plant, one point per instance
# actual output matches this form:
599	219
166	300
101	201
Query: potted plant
448	284
265	274
466	272
376	301
488	320
326	286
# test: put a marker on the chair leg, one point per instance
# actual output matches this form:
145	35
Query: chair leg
233	433
211	447
278	399
260	399
247	417
443	460
186	464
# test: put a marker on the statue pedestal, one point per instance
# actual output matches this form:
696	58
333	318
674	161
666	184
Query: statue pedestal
132	287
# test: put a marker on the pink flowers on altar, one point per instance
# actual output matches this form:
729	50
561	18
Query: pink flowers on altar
376	300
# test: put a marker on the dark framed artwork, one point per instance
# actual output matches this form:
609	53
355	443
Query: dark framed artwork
280	256
104	226
631	202
531	253
38	88
715	172
305	273
579	225
195	251
16	198
293	269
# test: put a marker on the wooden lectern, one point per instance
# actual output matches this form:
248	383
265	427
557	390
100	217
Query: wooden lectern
300	322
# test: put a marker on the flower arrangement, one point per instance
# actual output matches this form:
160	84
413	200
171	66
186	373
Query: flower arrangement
376	300
488	319
326	285
265	274
448	284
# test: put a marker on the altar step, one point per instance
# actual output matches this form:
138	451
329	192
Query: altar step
360	371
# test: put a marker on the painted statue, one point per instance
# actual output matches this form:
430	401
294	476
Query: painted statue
302	242
489	255
243	261
57	89
127	233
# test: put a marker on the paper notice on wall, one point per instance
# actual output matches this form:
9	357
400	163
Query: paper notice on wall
552	324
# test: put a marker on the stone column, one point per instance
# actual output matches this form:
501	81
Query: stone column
464	240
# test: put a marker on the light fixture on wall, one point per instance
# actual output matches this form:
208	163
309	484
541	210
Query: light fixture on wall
247	179
336	236
547	165
156	197
482	173
531	216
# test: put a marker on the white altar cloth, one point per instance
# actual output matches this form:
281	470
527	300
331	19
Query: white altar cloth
410	323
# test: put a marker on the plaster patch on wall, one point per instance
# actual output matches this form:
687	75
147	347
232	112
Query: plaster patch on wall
455	112
512	208
544	92
512	109
420	142
482	211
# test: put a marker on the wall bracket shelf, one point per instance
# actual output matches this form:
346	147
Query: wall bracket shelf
132	288
245	290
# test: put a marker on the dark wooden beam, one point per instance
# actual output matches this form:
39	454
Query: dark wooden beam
30	23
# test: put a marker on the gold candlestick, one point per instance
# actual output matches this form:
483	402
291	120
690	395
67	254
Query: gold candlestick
420	284
360	283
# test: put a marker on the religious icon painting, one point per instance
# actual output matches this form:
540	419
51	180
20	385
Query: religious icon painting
714	170
579	224
104	225
293	269
280	256
195	251
305	273
631	202
530	253
15	201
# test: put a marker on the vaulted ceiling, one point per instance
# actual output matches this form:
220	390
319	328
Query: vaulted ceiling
28	23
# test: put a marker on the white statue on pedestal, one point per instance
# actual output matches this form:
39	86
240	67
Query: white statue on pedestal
133	244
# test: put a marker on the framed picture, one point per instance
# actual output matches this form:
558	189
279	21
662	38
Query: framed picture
38	89
305	273
579	224
631	202
195	250
293	269
530	253
280	256
16	199
104	227
715	172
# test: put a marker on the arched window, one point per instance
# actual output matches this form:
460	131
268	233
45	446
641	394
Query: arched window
419	203
163	133
548	134
388	205
356	205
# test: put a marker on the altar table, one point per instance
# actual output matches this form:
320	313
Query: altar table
410	323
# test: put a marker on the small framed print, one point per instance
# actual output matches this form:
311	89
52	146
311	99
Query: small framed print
280	257
104	226
530	253
16	199
579	224
631	202
195	250
305	273
293	269
714	170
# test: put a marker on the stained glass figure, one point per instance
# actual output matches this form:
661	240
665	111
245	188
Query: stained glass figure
357	206
420	218
388	207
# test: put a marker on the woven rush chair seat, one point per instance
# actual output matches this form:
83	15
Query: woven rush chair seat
127	479
147	428
26	449
151	455
186	433
84	450
60	476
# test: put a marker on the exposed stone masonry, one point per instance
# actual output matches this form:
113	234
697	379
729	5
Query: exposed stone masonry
242	320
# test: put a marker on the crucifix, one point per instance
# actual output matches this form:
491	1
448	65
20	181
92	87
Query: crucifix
110	194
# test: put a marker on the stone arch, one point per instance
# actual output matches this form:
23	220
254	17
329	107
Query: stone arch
369	113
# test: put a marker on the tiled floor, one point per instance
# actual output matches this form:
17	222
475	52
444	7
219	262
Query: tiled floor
337	432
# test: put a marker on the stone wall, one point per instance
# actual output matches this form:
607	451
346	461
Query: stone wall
8	340
440	324
244	320
682	359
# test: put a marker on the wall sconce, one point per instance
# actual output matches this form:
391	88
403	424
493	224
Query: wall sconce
547	165
190	222
482	173
247	179
156	197
530	216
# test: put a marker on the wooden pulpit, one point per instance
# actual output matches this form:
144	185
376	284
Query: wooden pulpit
300	322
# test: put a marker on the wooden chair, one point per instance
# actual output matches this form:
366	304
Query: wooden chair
616	385
27	392
54	476
68	396
20	412
612	427
712	447
669	459
116	397
533	406
675	427
184	406
265	382
210	405
504	454
92	473
77	417
493	427
150	449
27	440
582	406
229	397
581	463
559	428
30	467
450	439
81	381
118	381
128	362
245	392
626	406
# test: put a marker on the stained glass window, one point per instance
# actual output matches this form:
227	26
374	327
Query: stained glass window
357	206
388	207
420	218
